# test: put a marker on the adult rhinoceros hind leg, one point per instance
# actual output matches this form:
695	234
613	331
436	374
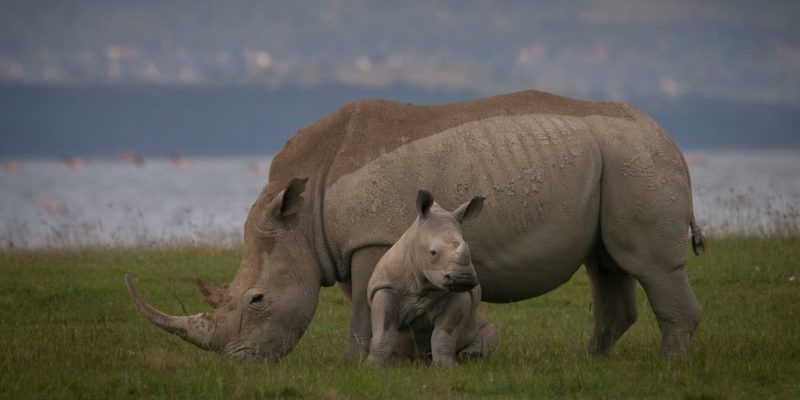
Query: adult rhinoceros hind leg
677	310
613	302
657	260
645	215
666	285
362	263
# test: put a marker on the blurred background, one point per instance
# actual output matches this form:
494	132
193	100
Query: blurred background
144	122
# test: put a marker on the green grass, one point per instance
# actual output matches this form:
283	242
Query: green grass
69	330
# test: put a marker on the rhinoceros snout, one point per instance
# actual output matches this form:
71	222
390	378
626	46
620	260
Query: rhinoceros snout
460	281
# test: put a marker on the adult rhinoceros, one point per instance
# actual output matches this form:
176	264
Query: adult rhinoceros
567	182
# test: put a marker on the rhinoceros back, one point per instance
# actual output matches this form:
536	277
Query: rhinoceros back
534	156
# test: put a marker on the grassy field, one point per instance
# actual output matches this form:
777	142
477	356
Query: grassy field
69	330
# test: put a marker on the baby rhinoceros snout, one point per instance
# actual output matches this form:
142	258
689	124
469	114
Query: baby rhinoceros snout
461	275
460	279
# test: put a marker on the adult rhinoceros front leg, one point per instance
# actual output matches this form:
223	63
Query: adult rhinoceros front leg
361	266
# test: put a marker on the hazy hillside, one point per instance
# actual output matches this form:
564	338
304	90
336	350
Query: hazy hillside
732	49
203	76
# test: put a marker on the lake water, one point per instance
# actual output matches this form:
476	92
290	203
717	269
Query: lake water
205	200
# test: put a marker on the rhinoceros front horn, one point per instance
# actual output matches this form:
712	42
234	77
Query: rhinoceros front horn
196	329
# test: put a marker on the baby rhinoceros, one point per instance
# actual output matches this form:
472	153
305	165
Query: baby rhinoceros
424	292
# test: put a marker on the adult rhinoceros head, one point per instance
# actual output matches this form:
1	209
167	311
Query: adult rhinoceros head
265	310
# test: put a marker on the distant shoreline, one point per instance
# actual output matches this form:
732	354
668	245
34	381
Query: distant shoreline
100	121
188	200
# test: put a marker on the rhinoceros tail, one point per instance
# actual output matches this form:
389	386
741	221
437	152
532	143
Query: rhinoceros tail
698	240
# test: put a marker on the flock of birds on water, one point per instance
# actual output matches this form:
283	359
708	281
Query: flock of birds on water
177	161
53	207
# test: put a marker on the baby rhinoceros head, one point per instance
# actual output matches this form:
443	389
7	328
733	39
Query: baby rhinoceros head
438	244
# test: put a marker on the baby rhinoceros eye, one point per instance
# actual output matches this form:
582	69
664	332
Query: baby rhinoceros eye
433	253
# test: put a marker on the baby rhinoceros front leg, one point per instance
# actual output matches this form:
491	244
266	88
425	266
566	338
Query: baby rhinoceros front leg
385	329
461	332
450	328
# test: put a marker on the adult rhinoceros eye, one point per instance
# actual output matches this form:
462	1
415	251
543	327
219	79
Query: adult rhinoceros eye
257	298
433	253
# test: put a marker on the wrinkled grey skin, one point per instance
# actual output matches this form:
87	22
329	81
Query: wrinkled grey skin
571	182
425	290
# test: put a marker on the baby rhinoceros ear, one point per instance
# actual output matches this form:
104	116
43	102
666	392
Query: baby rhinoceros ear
424	203
469	210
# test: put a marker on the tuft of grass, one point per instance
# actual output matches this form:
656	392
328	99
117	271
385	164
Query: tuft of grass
69	330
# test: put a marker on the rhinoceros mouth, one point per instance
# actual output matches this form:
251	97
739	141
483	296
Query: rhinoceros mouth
460	286
460	279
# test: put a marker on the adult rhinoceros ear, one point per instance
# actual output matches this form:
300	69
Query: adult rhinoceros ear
470	209
289	201
424	203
